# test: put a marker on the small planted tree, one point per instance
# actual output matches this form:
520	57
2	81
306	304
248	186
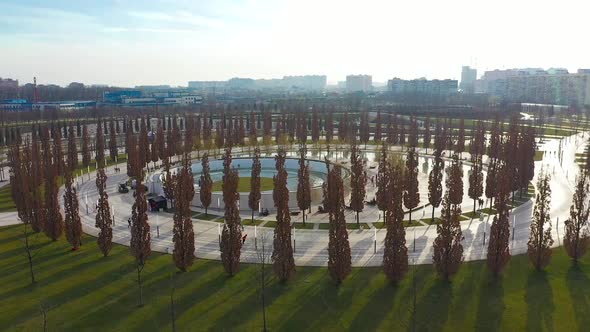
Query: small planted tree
577	237
206	184
282	255
540	240
254	196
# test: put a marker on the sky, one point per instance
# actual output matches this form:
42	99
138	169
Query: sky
128	43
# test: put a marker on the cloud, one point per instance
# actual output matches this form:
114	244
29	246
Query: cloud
181	16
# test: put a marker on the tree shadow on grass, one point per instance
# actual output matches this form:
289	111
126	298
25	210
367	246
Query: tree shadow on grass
577	283
491	303
539	299
251	305
433	307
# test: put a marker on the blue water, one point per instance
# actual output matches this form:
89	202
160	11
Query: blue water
317	170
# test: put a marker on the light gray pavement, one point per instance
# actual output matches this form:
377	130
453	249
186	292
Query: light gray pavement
366	245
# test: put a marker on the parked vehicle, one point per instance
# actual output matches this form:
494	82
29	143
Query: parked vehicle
157	203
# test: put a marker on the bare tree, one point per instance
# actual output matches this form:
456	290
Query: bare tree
140	234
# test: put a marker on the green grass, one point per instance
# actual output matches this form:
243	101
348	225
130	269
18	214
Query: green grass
429	221
6	201
271	223
203	216
471	215
299	225
249	222
85	291
244	184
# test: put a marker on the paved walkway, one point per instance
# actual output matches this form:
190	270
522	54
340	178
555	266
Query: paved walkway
366	245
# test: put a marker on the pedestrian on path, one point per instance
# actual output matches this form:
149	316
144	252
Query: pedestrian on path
129	223
244	238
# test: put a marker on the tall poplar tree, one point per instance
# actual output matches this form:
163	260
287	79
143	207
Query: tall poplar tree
206	184
339	256
540	240
140	234
577	237
498	246
455	171
254	196
411	193
231	236
358	181
73	226
435	190
381	196
103	220
282	255
395	253
475	180
72	150
54	224
303	185
113	151
183	234
99	146
427	136
448	250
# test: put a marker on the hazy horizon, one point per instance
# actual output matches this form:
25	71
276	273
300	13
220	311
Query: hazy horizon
128	43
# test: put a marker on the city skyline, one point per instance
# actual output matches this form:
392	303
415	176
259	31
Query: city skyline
173	42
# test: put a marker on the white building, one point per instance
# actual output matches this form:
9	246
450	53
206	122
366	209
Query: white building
468	78
359	83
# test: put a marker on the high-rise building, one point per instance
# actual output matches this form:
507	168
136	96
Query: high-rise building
359	83
422	86
535	85
468	78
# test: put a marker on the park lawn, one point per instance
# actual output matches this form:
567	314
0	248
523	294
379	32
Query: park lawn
299	225
6	201
203	216
244	184
85	291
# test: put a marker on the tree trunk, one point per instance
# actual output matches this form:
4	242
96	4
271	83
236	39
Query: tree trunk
433	214
252	217
357	219
140	284
474	206
29	256
303	217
